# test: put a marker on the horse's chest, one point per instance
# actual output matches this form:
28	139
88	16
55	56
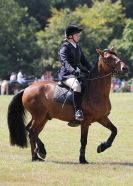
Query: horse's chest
97	110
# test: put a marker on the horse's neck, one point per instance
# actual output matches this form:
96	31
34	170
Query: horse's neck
99	88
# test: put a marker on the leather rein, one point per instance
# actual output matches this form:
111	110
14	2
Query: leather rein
109	74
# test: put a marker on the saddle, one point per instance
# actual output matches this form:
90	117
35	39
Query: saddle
63	93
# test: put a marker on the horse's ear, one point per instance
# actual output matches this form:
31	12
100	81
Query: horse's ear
100	52
112	49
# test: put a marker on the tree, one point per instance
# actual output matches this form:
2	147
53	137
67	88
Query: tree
18	47
128	7
99	23
124	45
40	9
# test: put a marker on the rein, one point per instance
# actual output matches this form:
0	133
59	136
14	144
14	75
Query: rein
91	79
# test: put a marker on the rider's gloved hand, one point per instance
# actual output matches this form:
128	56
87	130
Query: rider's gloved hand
76	72
88	72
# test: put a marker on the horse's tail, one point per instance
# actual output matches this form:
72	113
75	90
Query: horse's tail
16	121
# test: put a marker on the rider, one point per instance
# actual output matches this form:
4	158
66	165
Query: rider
72	58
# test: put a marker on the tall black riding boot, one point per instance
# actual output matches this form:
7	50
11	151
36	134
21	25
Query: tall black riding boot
77	99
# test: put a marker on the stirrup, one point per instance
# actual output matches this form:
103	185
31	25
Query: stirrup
60	83
79	115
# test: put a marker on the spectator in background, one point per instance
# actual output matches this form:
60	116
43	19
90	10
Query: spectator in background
114	85
123	85
13	77
131	88
20	77
5	86
47	74
119	84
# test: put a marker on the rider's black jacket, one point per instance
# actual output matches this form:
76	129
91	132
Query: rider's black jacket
71	58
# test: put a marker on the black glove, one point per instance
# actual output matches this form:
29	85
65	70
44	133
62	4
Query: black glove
76	73
89	72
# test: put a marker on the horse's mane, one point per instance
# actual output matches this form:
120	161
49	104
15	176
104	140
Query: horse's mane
94	71
93	74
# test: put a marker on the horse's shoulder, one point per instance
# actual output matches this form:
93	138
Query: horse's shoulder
50	84
53	83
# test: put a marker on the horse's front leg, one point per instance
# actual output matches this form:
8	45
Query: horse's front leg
83	140
109	125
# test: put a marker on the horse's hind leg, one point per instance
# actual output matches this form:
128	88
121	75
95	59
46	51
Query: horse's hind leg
38	150
32	138
109	125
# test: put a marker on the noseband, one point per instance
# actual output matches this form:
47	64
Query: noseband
113	71
111	67
108	62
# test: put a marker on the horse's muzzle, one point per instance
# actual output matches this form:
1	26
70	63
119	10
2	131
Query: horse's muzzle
122	71
125	69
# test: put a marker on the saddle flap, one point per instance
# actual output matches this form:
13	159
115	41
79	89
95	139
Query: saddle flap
63	93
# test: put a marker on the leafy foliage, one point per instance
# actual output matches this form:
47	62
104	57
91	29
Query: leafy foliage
128	7
18	44
31	32
98	22
36	7
124	45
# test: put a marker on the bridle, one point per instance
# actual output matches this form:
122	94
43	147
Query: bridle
110	73
112	67
100	77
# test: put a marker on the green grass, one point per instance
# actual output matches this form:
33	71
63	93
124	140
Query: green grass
113	167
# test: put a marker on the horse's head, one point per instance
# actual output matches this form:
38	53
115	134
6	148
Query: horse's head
110	62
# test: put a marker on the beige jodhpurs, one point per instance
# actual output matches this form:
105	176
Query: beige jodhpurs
73	83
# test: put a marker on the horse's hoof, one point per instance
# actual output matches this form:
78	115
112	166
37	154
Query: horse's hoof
102	147
82	160
37	159
41	155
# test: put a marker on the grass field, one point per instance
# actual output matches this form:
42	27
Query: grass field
113	167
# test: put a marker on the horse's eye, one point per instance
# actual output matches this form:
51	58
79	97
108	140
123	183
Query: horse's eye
109	59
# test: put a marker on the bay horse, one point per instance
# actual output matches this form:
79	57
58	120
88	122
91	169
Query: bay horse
38	100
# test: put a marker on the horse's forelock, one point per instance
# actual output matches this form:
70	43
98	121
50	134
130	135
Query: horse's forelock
109	51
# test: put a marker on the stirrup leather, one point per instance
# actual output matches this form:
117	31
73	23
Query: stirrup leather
79	115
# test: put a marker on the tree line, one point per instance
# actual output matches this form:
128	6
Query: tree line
32	31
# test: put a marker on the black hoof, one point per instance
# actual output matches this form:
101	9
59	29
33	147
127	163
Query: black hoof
41	153
82	160
36	158
102	147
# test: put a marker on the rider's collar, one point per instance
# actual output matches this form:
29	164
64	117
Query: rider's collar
73	44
